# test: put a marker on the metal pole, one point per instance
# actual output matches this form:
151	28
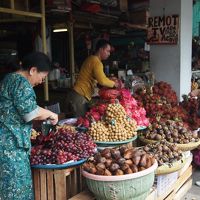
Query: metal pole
44	44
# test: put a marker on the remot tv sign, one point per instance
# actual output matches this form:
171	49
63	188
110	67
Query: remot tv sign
163	29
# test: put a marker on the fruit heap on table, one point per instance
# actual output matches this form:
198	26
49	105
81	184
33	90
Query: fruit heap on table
191	106
115	125
161	103
171	131
107	96
62	146
164	152
119	161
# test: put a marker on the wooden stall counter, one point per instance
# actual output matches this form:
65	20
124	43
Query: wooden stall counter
59	184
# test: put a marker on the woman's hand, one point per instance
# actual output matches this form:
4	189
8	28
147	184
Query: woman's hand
45	114
53	118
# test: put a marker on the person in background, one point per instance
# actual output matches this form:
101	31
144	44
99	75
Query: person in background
18	108
90	74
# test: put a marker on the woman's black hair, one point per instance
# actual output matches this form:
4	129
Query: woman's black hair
101	43
36	59
12	64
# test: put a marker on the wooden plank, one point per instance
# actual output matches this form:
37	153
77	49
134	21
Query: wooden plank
36	183
60	185
70	26
182	179
170	196
19	12
74	183
85	195
80	179
43	186
134	26
152	194
68	184
44	45
183	190
50	184
169	191
187	164
68	171
175	187
21	19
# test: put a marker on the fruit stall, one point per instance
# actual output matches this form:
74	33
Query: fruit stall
125	147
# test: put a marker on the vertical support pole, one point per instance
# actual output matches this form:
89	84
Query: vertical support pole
123	5
27	6
12	4
44	44
71	51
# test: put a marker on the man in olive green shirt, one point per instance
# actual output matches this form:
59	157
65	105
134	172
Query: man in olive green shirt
91	73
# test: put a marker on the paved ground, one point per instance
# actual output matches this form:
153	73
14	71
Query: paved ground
194	192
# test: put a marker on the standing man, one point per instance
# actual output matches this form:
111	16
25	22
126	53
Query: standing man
91	73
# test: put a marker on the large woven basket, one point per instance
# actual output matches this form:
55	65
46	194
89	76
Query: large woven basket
183	147
169	168
147	141
189	146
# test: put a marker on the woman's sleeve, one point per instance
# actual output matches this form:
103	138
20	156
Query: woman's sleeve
25	101
101	77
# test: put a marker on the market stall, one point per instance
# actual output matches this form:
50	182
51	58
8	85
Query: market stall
135	141
122	138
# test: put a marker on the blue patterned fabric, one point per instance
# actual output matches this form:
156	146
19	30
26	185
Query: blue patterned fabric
17	100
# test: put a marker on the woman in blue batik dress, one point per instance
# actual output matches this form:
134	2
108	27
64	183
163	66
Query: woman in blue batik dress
18	108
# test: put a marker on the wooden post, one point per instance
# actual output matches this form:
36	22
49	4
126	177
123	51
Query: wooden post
44	44
19	12
71	51
123	5
27	6
12	4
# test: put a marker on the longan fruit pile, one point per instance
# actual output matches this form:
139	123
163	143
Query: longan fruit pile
116	126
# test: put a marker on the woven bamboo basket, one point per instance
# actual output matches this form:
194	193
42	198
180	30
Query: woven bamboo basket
147	141
188	147
172	167
183	147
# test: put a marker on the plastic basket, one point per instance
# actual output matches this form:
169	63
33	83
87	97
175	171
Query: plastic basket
135	186
164	182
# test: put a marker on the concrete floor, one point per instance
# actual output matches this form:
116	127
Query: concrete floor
194	192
